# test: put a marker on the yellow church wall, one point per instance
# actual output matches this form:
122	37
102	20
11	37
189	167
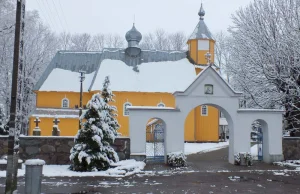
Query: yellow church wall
198	70
54	99
207	126
199	55
193	45
212	50
139	99
67	126
189	127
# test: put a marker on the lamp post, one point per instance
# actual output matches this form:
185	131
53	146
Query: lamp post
81	79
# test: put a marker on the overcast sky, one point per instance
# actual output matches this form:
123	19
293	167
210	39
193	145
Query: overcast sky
116	16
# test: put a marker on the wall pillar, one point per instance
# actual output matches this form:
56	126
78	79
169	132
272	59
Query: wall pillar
137	134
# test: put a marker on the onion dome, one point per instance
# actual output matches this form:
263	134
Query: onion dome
133	35
201	12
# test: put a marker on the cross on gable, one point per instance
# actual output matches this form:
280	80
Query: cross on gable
37	121
56	121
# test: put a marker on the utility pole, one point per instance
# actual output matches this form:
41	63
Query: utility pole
82	78
13	139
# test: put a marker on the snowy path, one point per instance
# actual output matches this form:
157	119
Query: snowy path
192	148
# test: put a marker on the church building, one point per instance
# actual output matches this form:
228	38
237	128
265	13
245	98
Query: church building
138	78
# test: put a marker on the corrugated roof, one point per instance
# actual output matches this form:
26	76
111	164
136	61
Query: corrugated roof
91	61
201	31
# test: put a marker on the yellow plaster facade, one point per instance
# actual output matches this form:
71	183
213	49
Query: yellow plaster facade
197	127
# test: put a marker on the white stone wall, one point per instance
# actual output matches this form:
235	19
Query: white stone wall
223	98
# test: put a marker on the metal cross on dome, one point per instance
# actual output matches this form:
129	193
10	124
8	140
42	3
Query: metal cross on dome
208	58
56	121
37	121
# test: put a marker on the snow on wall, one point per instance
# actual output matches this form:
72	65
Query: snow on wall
67	81
166	76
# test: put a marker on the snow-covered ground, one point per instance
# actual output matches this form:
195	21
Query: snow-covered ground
289	163
192	148
122	169
254	152
189	148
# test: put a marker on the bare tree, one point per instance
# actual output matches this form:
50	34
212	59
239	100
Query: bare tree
161	40
114	41
178	41
81	42
148	42
65	41
265	54
98	42
222	53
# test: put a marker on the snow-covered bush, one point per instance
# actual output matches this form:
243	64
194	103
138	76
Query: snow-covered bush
243	158
249	159
92	150
176	159
237	159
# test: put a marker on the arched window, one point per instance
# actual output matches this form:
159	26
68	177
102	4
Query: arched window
204	110
65	103
125	108
161	104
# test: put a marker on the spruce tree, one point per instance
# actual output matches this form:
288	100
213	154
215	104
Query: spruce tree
92	150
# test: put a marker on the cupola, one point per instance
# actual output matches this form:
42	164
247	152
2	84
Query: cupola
133	37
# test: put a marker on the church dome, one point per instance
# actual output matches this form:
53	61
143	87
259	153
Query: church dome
201	12
133	35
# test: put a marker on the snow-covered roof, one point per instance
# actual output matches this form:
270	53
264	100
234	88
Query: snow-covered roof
201	31
165	76
74	61
52	113
65	80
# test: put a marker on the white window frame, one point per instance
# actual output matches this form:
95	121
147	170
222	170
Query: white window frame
203	45
62	103
161	104
125	111
204	107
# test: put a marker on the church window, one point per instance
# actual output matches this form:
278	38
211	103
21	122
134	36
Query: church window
65	103
125	108
204	110
161	105
203	45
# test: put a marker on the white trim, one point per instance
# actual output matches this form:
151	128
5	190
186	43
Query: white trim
125	110
206	107
62	102
161	104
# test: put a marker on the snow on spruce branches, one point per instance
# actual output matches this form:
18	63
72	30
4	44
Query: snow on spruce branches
92	150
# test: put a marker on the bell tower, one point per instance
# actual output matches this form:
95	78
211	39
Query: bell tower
201	42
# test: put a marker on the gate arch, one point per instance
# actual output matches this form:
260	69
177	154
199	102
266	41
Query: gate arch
155	140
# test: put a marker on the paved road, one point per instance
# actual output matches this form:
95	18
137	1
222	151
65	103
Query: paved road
206	173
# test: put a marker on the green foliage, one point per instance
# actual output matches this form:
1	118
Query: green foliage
92	150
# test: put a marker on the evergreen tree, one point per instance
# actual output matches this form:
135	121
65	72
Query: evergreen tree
92	150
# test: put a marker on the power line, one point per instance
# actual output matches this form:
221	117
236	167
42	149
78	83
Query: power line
49	11
49	21
63	15
58	16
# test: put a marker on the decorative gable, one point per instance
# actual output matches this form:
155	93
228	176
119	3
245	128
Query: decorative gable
208	83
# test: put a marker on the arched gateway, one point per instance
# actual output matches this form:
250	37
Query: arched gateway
208	89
